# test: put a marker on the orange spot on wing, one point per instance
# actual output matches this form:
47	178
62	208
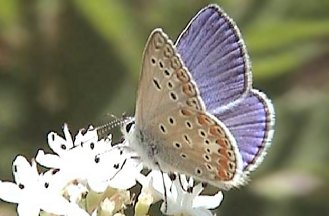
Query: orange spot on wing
188	89
223	170
182	75
168	51
225	149
221	175
204	120
216	131
223	143
175	63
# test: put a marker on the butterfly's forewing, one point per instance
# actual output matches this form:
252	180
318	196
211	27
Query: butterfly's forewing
164	82
171	116
212	49
251	122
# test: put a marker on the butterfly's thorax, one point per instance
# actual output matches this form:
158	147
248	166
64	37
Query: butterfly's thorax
136	140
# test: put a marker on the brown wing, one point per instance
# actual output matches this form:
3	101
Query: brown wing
171	113
164	82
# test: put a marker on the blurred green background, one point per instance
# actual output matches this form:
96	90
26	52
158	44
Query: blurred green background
78	61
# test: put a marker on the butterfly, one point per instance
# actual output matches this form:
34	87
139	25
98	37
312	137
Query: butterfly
196	111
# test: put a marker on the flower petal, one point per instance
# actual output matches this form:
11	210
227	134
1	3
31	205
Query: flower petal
10	192
209	202
115	167
48	160
59	144
23	172
26	209
67	135
199	211
89	136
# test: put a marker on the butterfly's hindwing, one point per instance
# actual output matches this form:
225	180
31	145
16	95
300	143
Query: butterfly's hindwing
197	144
251	121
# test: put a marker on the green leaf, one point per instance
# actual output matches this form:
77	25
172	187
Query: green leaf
265	36
9	12
273	65
113	21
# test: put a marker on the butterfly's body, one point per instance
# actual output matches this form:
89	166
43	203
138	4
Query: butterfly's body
196	112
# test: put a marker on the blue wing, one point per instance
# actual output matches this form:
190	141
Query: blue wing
212	49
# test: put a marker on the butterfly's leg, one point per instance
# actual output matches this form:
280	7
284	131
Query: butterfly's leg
164	187
172	177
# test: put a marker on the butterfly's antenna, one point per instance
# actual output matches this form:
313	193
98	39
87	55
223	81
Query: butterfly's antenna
104	130
112	115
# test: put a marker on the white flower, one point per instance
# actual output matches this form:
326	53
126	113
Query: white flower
68	151
182	197
121	169
94	174
33	193
88	159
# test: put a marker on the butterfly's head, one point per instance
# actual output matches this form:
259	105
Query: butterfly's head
128	126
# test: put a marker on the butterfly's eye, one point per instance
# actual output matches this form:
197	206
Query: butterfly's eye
129	125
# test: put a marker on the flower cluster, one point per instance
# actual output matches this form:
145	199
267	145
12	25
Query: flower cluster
88	175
